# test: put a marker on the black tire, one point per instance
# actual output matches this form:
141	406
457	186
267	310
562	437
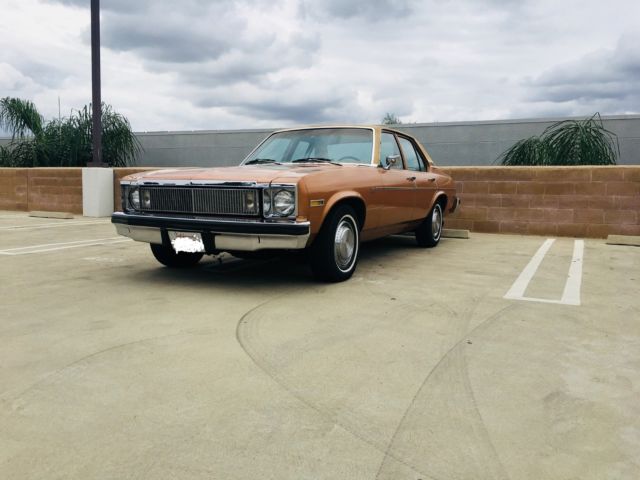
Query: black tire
430	230
334	253
168	257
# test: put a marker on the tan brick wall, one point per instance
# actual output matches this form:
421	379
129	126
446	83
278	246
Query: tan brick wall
564	201
46	189
55	189
13	188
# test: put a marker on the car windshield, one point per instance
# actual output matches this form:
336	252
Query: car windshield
318	145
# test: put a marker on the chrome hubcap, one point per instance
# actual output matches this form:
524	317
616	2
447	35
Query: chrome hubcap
344	244
436	222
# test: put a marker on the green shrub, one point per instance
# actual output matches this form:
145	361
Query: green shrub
65	142
568	142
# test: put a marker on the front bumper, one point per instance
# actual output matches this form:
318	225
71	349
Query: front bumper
218	235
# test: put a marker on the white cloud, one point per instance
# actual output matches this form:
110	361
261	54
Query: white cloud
259	63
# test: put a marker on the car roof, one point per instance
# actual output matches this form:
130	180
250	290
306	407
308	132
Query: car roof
314	127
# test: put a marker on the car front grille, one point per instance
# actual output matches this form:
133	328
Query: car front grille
201	200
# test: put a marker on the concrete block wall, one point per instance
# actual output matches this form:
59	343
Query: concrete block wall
45	189
564	201
13	189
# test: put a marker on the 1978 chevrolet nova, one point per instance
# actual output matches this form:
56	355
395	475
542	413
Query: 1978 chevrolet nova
323	189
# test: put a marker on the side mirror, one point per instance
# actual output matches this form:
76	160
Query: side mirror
390	161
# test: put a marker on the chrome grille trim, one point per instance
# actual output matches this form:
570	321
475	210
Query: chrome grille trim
200	200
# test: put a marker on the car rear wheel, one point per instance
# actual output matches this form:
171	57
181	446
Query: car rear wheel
334	253
430	230
168	257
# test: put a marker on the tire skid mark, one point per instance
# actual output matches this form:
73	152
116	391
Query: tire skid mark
455	359
13	396
453	362
246	336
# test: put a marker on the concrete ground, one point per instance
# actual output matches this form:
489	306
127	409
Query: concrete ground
113	367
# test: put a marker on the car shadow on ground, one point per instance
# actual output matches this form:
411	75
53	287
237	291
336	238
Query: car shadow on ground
281	270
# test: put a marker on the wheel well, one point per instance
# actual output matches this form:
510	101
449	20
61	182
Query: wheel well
442	200
357	205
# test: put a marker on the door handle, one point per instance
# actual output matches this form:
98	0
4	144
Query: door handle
432	179
411	179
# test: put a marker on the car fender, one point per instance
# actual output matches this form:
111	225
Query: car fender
331	202
452	201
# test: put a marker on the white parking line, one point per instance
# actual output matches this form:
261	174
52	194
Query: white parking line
571	292
52	247
52	225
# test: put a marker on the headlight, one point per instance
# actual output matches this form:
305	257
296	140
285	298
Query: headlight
284	203
250	201
146	199
134	198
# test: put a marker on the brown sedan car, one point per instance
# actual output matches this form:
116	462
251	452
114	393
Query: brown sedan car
321	189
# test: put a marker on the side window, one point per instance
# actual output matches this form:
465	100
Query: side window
410	155
388	147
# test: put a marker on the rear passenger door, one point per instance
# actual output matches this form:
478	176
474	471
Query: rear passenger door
425	181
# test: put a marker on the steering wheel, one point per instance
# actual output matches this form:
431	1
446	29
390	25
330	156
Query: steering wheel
346	157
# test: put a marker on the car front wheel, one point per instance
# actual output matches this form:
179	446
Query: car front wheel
334	253
430	230
168	257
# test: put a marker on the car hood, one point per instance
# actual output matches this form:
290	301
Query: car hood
250	173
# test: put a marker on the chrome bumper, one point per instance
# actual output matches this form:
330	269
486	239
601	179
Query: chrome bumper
218	235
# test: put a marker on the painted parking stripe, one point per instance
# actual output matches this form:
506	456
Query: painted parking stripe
52	247
571	292
522	282
51	225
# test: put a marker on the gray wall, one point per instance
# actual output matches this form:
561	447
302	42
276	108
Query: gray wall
198	148
480	143
451	143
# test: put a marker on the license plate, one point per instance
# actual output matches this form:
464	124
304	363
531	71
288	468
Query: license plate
190	242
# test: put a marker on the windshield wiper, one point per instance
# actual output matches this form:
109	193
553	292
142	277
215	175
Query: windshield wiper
257	161
315	160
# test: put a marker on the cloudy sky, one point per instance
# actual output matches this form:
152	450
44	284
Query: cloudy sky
227	64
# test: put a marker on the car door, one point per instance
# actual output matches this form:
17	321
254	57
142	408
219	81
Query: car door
425	181
398	184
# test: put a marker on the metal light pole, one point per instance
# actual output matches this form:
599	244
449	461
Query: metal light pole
95	85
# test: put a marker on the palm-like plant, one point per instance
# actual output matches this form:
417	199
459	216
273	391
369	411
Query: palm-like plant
20	117
568	142
63	142
529	151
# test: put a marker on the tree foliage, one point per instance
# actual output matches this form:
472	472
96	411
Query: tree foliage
568	142
391	119
21	117
65	142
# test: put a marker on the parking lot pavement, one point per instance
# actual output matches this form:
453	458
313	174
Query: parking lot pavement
112	366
